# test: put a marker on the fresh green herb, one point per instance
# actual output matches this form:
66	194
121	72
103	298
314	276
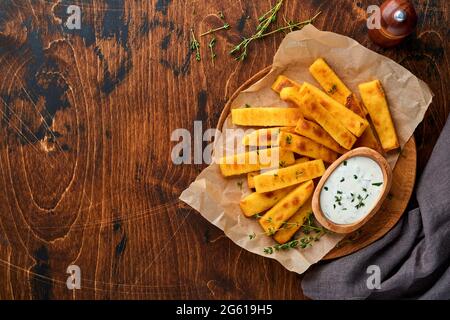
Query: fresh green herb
269	220
355	176
302	243
326	188
289	139
309	225
265	21
333	89
338	199
288	225
275	174
298	173
282	164
305	241
247	105
364	189
220	14
257	216
239	184
268	250
195	46
211	45
345	162
342	179
360	203
271	232
377	184
252	236
339	192
226	26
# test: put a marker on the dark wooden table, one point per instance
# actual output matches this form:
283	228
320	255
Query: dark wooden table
86	116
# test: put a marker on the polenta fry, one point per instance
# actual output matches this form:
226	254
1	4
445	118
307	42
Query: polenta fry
374	99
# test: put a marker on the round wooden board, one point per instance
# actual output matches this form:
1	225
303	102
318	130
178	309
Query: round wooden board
404	176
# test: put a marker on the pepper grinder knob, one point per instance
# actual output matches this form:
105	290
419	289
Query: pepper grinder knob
400	15
398	20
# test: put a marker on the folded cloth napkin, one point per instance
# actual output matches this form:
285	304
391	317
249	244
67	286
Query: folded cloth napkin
412	260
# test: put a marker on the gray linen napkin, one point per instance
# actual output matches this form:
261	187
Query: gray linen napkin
413	259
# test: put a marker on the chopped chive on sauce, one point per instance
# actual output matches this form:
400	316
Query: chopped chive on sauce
326	188
345	162
355	176
342	179
377	184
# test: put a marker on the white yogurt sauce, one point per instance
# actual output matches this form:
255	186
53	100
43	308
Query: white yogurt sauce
351	190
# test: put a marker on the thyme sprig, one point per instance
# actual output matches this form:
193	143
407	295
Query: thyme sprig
225	26
303	243
311	234
211	46
194	45
265	21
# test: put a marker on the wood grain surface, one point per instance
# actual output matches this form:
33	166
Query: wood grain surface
86	118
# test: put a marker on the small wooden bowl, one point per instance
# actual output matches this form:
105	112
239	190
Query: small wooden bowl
387	179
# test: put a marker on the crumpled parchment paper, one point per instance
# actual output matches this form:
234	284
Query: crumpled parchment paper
217	198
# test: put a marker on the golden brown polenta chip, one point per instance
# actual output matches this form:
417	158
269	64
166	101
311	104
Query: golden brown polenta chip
374	99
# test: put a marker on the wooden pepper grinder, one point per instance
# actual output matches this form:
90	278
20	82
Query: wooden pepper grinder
398	20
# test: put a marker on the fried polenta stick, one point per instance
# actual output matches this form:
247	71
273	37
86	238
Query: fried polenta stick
265	117
254	160
251	175
312	108
285	177
306	147
329	81
316	133
256	203
286	207
336	89
283	82
374	99
290	227
351	121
